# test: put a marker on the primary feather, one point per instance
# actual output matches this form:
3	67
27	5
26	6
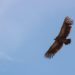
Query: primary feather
53	49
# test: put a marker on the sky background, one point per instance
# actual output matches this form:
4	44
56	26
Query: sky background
27	29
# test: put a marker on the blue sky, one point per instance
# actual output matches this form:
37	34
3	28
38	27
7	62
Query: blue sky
27	29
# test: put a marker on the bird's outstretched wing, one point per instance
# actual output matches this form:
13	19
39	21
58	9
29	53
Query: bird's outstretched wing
66	27
53	49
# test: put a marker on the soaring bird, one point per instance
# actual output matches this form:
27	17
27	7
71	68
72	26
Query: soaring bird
61	38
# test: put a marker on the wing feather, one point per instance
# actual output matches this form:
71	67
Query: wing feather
53	49
66	27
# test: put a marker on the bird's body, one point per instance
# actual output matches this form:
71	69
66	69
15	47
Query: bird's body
61	38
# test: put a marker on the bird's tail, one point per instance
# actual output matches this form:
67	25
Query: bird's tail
67	41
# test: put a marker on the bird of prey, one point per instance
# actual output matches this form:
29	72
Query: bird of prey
61	38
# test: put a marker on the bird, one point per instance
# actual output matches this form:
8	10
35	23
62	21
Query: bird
61	39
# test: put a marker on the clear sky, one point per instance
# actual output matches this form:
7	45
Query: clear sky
27	29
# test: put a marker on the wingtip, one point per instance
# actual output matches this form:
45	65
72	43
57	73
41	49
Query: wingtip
48	55
68	20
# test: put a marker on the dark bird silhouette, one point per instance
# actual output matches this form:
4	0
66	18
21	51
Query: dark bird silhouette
61	38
